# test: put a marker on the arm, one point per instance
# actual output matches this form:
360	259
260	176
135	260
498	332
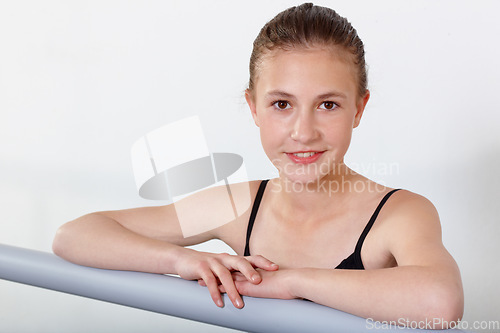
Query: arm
132	239
150	239
426	284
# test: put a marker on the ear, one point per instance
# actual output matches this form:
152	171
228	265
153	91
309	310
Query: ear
251	104
360	109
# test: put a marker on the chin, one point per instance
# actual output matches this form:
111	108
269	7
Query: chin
302	178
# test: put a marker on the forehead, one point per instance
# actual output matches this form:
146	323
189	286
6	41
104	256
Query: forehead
306	71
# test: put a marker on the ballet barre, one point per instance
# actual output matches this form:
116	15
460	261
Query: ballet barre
174	296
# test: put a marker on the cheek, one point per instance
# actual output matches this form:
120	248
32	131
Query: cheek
339	135
272	137
269	134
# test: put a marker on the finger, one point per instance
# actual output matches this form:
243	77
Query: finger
213	288
247	270
238	263
261	262
227	282
237	276
221	287
203	284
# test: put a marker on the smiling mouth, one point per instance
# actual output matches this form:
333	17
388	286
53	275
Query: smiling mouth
305	157
308	154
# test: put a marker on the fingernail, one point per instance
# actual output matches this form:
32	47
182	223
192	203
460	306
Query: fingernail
255	278
220	304
239	303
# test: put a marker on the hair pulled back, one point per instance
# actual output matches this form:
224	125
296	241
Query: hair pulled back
307	26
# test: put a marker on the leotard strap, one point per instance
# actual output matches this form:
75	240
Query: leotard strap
354	260
255	209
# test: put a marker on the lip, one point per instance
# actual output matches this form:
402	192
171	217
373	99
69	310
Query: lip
305	160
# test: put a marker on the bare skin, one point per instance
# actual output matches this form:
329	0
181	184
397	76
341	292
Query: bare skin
304	101
150	239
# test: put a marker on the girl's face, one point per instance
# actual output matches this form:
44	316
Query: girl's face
306	105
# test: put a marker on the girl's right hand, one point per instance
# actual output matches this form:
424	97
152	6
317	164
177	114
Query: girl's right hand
213	269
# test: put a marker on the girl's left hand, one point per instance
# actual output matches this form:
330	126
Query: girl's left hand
274	284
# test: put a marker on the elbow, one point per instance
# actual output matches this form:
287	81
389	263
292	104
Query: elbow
68	238
74	239
449	314
446	306
59	244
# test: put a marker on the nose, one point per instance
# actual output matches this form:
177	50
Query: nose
304	128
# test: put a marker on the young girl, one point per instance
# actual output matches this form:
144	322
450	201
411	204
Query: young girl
319	231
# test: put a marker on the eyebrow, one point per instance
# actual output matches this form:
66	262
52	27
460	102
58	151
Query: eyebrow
283	94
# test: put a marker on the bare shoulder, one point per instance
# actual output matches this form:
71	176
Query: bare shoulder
411	229
406	209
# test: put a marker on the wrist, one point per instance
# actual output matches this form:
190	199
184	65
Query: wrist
169	257
299	280
293	282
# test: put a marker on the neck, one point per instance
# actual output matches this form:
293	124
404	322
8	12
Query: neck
312	201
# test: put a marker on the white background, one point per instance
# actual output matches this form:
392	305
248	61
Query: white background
80	81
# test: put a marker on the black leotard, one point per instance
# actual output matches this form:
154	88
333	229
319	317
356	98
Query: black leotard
353	261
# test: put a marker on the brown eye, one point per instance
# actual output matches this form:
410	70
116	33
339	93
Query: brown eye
282	105
328	105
